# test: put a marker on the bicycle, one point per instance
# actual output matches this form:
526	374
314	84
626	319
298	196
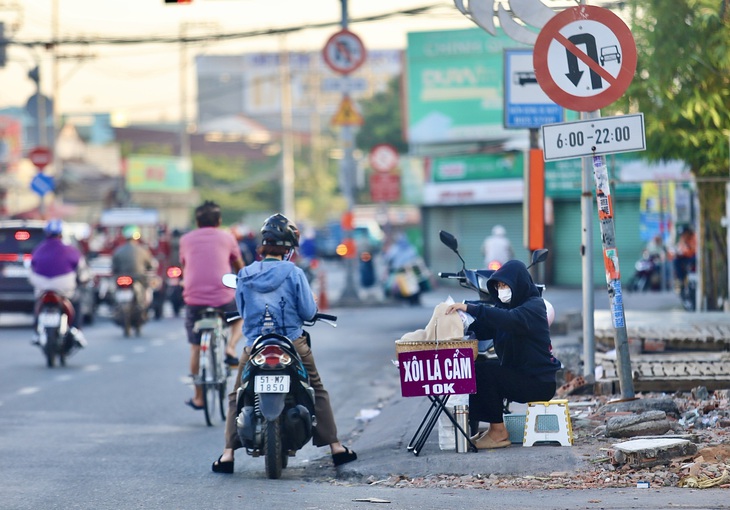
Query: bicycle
213	372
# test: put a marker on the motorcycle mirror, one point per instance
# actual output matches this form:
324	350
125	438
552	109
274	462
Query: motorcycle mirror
449	240
538	256
230	280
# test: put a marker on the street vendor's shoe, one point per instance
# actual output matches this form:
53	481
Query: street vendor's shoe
476	437
487	443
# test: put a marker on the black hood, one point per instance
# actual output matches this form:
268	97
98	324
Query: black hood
515	274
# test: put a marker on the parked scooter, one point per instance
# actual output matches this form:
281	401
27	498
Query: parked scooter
53	329
476	280
129	305
275	403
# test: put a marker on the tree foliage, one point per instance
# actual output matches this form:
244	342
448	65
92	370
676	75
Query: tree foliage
682	86
382	114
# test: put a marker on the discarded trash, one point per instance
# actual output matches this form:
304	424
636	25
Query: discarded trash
367	414
371	500
642	485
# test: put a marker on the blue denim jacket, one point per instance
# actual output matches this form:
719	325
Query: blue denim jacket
273	297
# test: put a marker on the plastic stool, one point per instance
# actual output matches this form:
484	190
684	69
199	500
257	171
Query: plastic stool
548	422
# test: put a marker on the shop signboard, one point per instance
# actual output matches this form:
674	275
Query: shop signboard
455	86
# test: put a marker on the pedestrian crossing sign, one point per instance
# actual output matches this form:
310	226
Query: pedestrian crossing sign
347	115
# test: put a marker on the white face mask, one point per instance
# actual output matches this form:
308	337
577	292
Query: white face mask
505	295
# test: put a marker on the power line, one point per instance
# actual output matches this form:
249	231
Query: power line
218	37
94	41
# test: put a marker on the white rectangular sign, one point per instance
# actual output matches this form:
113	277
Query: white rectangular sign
525	103
344	84
604	135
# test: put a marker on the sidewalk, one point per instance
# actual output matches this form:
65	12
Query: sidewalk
382	446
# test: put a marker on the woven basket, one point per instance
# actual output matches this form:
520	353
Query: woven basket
432	345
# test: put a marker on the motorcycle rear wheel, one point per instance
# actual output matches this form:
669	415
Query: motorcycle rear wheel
273	449
50	348
54	348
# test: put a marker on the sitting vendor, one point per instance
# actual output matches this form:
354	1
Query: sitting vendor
525	369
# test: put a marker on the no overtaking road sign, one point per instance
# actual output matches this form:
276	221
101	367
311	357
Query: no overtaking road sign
584	58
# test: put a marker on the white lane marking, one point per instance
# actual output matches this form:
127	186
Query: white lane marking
92	368
139	350
157	342
64	377
116	359
28	390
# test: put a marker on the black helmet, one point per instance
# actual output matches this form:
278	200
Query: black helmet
279	231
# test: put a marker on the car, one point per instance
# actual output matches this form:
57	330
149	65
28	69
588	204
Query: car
610	53
18	238
368	236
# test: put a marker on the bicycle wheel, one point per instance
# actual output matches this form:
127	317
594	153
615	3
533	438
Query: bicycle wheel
208	376
222	373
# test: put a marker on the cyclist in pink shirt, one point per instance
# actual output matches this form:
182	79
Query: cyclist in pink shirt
206	254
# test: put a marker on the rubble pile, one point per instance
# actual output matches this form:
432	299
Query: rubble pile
688	445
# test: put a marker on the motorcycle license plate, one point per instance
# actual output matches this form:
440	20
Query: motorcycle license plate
49	319
271	384
124	295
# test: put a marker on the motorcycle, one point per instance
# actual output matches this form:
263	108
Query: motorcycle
275	403
647	273
476	280
53	328
129	310
174	288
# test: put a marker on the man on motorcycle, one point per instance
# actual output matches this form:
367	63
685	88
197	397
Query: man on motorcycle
686	254
206	254
134	259
60	267
497	248
276	287
525	369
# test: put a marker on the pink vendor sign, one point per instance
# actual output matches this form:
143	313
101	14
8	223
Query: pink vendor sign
437	372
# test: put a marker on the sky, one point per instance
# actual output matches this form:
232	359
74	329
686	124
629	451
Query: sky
142	82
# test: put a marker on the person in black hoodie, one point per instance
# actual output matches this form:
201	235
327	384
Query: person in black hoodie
525	369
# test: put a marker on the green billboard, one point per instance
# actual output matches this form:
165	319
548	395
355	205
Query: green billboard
159	173
455	86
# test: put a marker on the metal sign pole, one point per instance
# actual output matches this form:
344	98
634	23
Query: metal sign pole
613	274
347	169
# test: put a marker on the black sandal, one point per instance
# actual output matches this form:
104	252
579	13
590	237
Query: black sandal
344	457
220	466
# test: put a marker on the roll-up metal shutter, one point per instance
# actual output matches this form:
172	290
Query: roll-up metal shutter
470	225
566	257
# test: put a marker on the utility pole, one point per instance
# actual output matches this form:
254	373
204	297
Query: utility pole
347	172
287	156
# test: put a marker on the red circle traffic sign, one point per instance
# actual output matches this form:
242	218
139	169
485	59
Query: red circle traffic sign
344	52
383	157
40	157
584	58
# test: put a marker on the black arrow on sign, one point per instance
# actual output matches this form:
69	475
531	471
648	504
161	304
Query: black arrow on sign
575	74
